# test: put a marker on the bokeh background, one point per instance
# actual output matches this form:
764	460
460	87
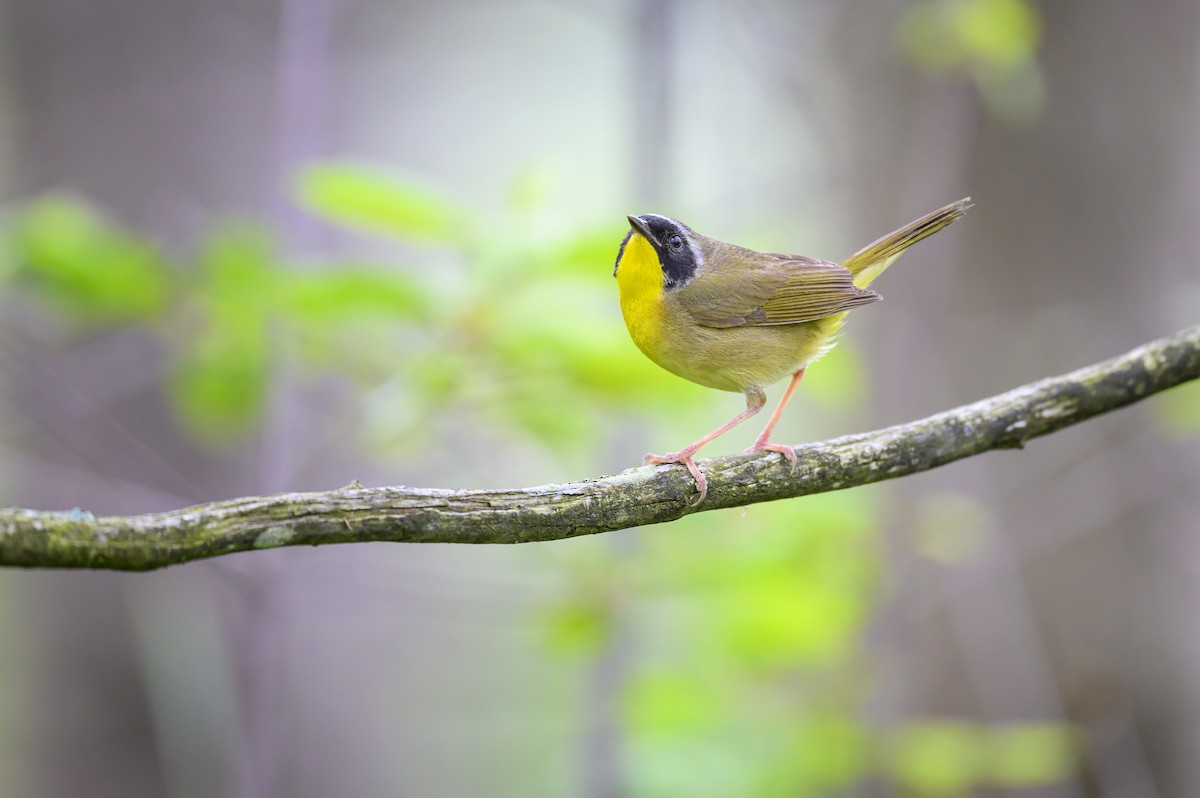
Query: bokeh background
262	245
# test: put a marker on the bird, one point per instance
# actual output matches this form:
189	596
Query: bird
735	319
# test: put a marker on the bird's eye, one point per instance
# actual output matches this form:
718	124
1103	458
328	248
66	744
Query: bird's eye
675	242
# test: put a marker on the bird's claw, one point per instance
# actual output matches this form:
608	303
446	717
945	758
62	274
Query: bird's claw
683	458
788	452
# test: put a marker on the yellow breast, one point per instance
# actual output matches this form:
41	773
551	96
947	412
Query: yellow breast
640	283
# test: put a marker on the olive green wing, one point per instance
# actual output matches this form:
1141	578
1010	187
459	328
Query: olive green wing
773	289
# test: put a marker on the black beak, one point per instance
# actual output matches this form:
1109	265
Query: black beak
638	224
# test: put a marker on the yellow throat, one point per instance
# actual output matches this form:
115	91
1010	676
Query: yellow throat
640	284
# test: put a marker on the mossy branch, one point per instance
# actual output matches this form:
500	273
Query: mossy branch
640	496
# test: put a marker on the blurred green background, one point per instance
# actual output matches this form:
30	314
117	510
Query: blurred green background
262	245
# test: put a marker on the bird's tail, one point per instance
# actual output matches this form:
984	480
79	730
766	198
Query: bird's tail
870	261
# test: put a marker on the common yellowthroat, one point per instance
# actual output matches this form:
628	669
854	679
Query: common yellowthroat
735	319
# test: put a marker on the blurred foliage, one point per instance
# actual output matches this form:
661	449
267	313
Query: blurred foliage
227	318
1178	410
949	758
751	678
363	197
62	242
539	359
994	42
219	378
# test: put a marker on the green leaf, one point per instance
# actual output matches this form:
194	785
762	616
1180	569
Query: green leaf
1000	33
90	269
944	34
1031	755
671	703
237	272
368	198
348	294
562	329
831	751
220	378
938	758
578	627
779	620
219	383
550	410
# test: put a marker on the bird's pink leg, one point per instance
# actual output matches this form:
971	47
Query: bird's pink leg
755	399
760	443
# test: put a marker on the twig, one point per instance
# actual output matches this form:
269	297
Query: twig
636	497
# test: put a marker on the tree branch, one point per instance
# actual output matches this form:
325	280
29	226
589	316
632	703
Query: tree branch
639	496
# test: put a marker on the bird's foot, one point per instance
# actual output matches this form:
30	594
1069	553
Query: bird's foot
788	452
684	458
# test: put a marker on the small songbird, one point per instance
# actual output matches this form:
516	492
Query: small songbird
735	319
